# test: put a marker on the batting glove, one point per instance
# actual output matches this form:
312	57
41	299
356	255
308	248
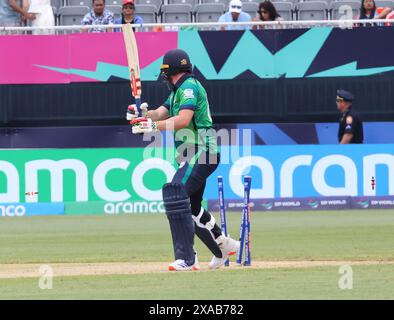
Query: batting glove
143	125
144	109
132	111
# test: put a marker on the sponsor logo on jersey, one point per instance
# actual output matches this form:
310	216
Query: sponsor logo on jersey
188	94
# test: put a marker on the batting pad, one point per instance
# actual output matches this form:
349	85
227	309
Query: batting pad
178	210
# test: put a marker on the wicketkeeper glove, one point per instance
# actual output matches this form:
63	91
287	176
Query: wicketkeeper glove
132	112
143	125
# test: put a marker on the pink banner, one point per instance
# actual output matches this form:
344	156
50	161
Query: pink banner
82	57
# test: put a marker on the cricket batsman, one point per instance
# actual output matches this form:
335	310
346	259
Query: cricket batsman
186	112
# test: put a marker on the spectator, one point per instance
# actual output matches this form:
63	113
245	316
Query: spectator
390	16
235	14
98	16
11	14
368	11
128	16
43	14
266	12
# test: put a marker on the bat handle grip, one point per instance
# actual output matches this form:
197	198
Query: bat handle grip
138	105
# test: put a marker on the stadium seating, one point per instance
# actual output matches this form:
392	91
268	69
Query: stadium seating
177	13
294	2
348	9
148	12
285	10
156	3
385	3
86	3
113	3
193	3
312	10
115	9
72	15
173	11
328	2
250	7
209	12
225	2
57	4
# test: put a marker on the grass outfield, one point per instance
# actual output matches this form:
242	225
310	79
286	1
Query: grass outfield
281	236
369	282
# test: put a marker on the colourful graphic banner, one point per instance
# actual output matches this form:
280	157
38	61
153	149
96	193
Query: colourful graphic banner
216	55
129	180
68	175
293	171
84	57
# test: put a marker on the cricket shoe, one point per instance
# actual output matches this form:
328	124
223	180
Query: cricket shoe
228	246
181	265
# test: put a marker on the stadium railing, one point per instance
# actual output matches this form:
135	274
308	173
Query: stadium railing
344	24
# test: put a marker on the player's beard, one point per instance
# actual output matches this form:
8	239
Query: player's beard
164	77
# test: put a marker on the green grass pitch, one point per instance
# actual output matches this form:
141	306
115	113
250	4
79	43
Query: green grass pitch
276	236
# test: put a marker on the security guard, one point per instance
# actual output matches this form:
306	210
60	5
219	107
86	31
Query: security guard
350	126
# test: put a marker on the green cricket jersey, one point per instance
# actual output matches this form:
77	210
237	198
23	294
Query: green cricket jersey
190	94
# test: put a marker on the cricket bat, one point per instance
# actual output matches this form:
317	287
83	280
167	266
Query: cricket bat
133	62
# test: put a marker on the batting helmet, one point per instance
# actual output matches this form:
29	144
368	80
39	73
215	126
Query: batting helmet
174	62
